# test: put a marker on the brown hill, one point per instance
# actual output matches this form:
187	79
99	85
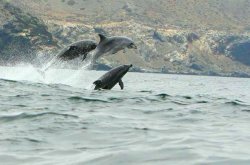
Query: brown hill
218	15
174	36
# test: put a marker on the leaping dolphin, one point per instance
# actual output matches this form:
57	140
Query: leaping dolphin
77	49
112	77
72	51
112	45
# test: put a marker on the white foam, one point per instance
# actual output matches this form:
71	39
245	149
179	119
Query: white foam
81	78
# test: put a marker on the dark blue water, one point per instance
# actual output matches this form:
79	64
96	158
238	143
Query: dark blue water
156	119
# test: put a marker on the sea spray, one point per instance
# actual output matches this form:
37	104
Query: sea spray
20	73
87	64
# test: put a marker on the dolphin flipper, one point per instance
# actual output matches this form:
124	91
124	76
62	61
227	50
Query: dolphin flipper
84	56
114	51
121	84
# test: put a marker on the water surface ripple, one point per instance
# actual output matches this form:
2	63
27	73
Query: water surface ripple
157	119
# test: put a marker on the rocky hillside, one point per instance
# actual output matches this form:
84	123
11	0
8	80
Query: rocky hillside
21	35
174	36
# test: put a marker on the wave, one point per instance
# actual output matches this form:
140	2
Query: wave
236	103
246	110
6	80
202	102
78	98
187	97
30	116
162	95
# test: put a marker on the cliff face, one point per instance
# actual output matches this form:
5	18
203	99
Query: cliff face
191	37
21	34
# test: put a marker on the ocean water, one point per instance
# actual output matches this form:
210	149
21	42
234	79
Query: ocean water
156	119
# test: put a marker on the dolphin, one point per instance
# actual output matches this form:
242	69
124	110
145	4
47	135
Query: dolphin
77	49
112	45
72	51
112	77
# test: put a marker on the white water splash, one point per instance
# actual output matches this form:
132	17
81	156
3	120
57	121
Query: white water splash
77	78
49	73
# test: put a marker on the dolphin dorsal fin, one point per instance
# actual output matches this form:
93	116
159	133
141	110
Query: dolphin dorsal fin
102	37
